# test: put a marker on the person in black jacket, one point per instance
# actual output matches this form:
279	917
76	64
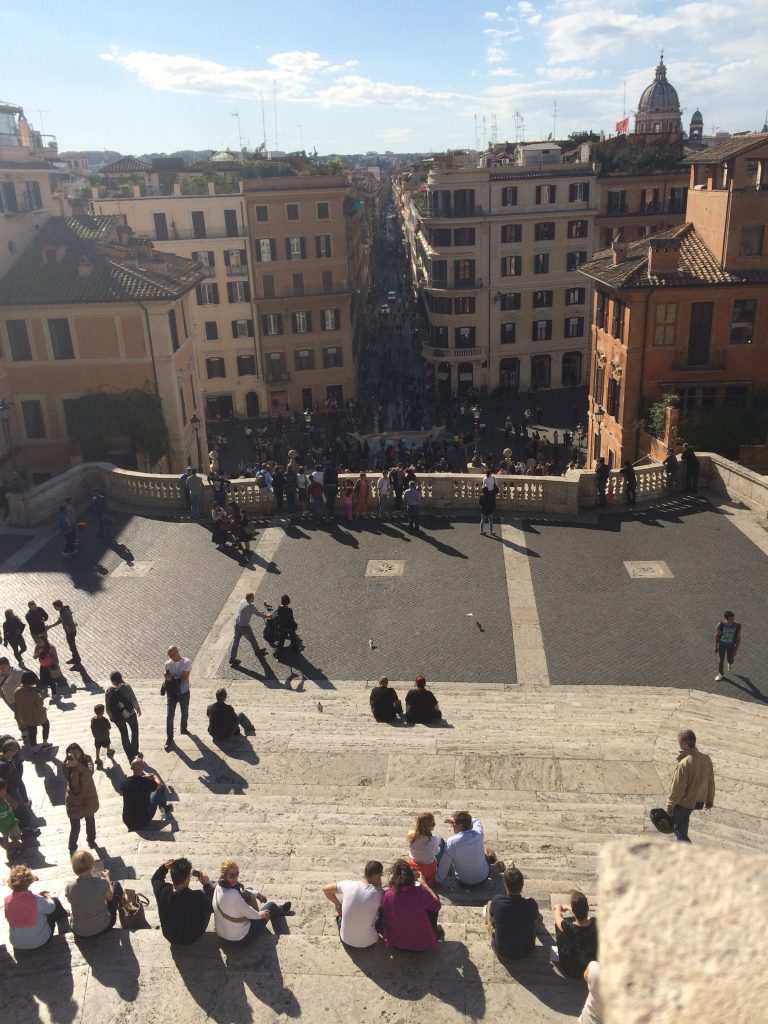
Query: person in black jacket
123	709
602	474
223	721
692	466
385	704
630	481
184	912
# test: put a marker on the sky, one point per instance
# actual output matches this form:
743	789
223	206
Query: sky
347	77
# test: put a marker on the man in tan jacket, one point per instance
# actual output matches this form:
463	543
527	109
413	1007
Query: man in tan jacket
693	784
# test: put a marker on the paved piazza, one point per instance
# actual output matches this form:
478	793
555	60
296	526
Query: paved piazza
563	678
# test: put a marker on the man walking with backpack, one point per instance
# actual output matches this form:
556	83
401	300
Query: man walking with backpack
123	709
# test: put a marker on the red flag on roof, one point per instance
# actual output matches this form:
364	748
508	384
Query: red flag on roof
622	126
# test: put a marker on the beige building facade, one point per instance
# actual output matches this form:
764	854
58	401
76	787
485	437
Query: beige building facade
494	252
86	309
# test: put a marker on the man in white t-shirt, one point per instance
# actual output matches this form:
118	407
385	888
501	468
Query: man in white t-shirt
382	490
358	909
176	689
593	1007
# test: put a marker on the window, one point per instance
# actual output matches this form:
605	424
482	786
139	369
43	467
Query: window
298	284
542	330
464	236
198	224
664	328
743	321
541	263
542	298
296	247
327	281
161	227
510	266
571	369
544	231
235	262
617	201
511	232
322	246
323	211
599	384
262	214
574	327
304	359
34	424
464	304
266	250
751	243
573	260
34	196
649	200
439	303
575	296
617	319
302	322
8	200
510	300
230	223
330	320
242	328
331	358
292	211
61	339
246	366
173	328
614	398
215	367
463	272
601	309
545	195
211	330
268	286
438	276
272	323
578	228
205	259
276	366
507	336
463	202
439	237
676	200
18	340
464	337
207	294
578	192
736	395
509	196
238	291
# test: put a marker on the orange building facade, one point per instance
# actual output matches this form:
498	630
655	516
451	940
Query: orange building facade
684	312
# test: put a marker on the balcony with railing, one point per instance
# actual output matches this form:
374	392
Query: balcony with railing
237	270
281	376
471	284
446	353
690	362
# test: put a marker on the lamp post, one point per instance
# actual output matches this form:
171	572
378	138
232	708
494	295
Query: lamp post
308	421
5	416
598	416
194	422
476	452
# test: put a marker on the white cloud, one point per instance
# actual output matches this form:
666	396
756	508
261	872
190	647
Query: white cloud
559	74
491	15
299	77
495	55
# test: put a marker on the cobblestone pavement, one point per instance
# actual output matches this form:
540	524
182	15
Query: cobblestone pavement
601	626
126	622
419	622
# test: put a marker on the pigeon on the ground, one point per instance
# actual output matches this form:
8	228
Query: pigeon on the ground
319	706
479	626
372	645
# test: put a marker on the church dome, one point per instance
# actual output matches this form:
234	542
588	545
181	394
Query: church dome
659	106
660	97
697	117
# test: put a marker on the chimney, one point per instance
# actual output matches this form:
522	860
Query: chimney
663	256
84	266
157	265
619	248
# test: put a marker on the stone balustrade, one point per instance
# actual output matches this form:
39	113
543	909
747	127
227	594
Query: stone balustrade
459	493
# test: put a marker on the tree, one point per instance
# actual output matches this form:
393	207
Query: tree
95	420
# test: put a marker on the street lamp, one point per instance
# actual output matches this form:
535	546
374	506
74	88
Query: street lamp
598	416
194	422
308	421
476	453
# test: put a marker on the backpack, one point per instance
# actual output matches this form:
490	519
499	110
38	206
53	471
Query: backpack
662	821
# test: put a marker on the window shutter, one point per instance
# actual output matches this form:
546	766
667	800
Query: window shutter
309	321
264	324
199	293
243	257
287	248
279	323
257	250
247	291
303	247
194	256
585	191
234	328
211	258
273	248
226	257
318	252
215	289
250	328
231	291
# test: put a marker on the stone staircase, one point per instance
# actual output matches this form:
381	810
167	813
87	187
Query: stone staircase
553	772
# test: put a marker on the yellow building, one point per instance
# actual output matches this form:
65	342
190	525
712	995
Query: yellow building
88	307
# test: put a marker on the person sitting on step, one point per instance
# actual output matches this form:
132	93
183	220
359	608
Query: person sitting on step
576	936
511	919
236	914
465	852
358	910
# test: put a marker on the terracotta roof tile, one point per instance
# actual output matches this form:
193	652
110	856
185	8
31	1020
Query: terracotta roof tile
118	272
731	147
126	165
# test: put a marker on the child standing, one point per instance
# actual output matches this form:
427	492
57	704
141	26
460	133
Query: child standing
100	726
10	833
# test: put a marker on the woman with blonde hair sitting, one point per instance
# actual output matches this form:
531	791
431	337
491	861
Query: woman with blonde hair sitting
94	898
236	914
31	918
424	848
